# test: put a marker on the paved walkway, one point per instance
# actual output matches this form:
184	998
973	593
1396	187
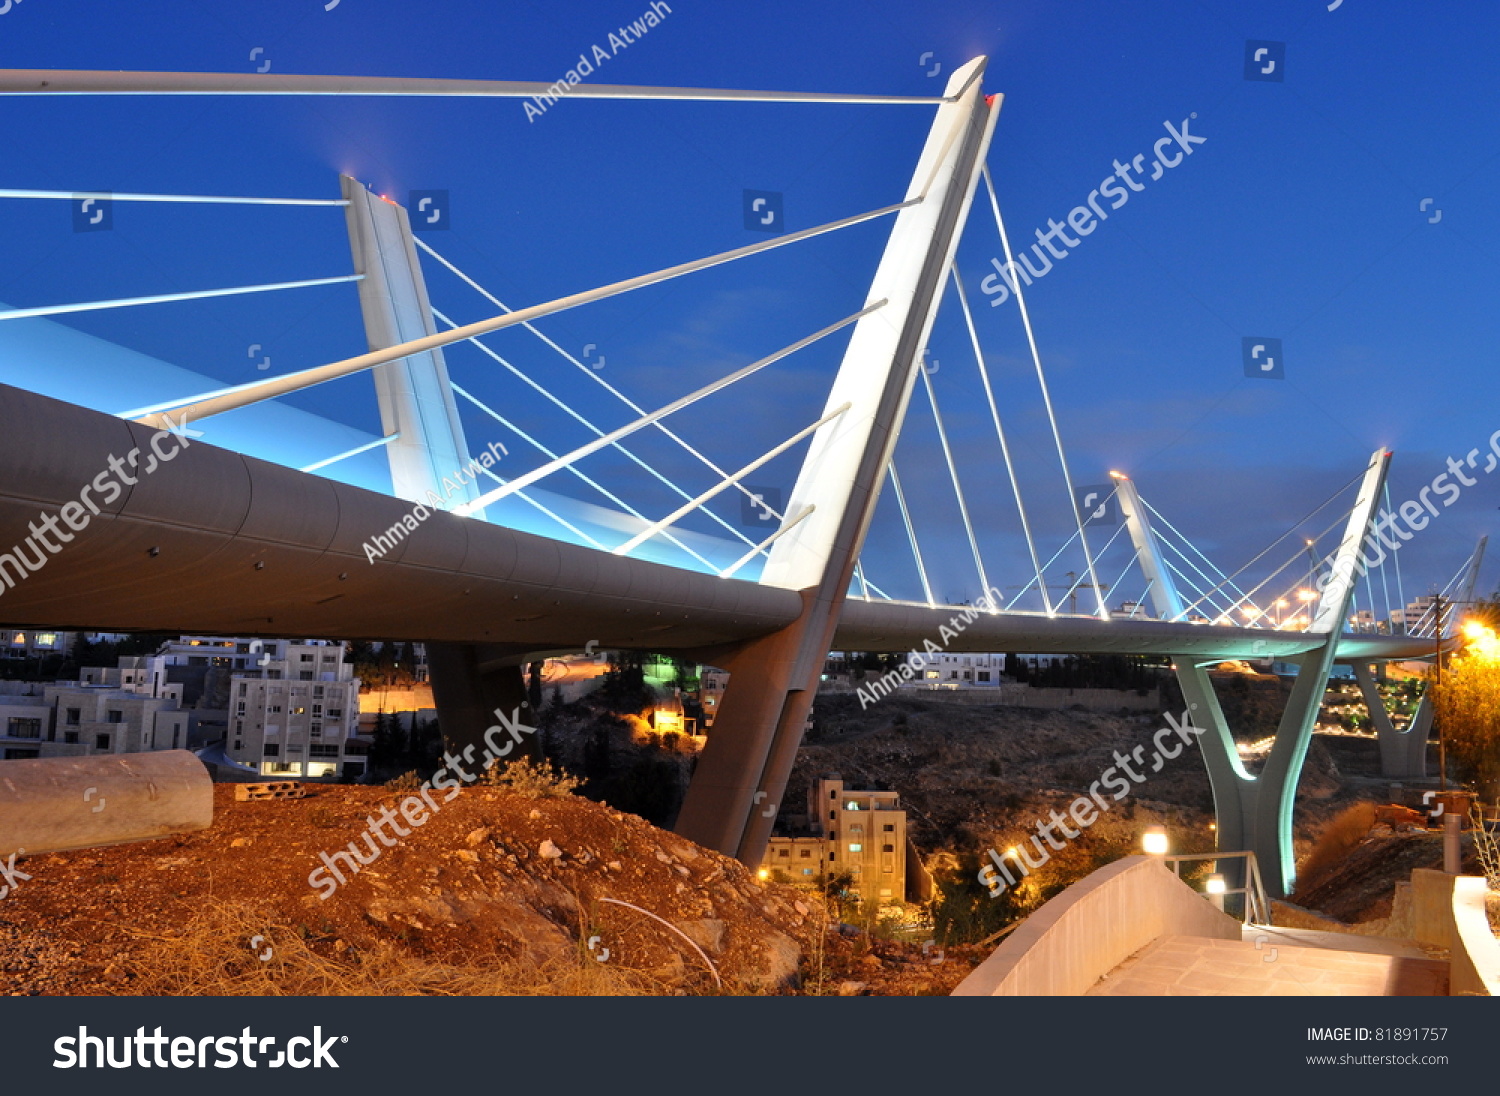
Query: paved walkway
1276	962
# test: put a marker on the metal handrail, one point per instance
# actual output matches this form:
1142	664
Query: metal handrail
1257	902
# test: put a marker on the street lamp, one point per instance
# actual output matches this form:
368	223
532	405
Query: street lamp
1154	841
1215	888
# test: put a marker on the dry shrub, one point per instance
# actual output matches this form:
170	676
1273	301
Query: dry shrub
407	782
212	957
1339	838
1486	846
532	780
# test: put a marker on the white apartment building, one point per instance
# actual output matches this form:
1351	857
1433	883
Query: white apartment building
23	643
1419	615
73	719
293	705
143	675
951	671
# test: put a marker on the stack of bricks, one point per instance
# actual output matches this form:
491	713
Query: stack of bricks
279	789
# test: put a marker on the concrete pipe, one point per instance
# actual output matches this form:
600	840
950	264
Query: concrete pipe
58	803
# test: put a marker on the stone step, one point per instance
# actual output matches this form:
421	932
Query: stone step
1265	966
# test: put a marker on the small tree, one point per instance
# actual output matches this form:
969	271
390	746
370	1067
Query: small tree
388	746
624	687
963	910
1467	707
840	888
531	780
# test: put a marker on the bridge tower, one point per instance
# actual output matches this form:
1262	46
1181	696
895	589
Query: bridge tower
427	446
742	773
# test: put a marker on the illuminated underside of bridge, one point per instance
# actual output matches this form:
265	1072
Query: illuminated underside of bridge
219	542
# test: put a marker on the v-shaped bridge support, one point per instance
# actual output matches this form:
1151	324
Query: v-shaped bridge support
1255	812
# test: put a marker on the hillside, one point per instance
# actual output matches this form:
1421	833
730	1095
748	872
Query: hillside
497	894
975	777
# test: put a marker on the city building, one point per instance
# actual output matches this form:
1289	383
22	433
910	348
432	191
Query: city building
1420	614
19	644
711	686
144	675
861	833
293	706
960	671
75	719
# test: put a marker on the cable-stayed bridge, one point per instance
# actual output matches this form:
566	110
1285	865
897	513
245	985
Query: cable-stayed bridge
490	568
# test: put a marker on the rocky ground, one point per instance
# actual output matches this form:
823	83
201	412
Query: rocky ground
493	880
495	894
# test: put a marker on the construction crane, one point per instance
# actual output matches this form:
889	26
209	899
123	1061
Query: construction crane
1073	586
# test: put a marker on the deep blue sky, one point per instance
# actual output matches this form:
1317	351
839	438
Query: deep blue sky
1301	218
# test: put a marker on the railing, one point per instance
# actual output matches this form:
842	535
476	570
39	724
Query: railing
1257	909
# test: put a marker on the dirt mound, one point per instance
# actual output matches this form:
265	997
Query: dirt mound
491	882
1360	885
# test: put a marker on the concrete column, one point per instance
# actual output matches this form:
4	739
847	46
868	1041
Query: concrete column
1234	789
467	692
58	803
1403	754
1255	812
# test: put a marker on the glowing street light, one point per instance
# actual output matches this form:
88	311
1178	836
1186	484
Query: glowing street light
1483	644
1154	841
1215	887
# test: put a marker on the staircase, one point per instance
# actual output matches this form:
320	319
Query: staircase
1277	962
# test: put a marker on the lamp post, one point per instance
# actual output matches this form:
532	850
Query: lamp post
1437	683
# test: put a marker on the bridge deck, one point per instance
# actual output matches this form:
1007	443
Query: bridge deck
1274	962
